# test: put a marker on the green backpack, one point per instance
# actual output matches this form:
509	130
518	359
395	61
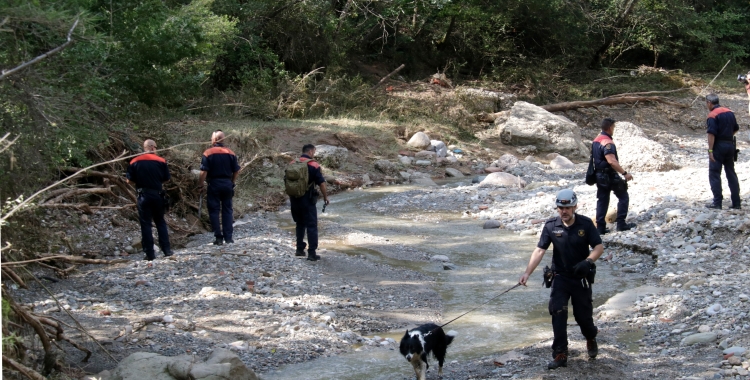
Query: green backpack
296	178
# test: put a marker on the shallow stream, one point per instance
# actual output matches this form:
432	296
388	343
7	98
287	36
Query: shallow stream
488	262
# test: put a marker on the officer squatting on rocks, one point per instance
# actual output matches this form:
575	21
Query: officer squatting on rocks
304	211
608	180
571	275
219	168
721	126
147	172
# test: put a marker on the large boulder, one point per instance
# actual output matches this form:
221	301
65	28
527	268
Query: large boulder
636	152
222	364
532	125
502	179
331	156
420	140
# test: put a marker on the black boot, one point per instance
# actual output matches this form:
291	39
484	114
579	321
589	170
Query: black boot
592	347
714	205
311	256
625	226
299	252
561	360
219	241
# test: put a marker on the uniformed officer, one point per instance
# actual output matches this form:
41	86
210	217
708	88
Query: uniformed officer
219	168
571	236
721	126
147	172
304	211
608	180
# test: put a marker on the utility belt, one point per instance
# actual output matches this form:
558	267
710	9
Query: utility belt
725	139
550	273
732	140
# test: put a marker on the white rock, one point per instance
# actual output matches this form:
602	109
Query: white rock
502	179
743	297
506	162
560	162
714	309
672	214
637	152
419	140
167	319
704	329
423	163
331	156
699	338
239	345
441	258
737	351
439	147
406	160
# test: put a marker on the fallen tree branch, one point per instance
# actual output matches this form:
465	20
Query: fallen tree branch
56	50
22	369
60	335
385	78
13	276
49	357
79	192
4	144
116	178
67	258
609	101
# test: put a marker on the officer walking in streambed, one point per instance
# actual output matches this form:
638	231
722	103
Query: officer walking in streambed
571	275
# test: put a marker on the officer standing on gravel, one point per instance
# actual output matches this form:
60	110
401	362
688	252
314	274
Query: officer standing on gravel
147	172
721	126
304	211
572	274
220	170
608	180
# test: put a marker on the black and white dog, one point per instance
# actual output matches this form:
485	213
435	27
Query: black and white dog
423	340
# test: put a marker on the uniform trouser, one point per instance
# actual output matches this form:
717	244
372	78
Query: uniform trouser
219	201
305	215
151	207
723	156
568	288
604	188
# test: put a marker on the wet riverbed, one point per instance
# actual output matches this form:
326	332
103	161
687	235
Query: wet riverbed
487	263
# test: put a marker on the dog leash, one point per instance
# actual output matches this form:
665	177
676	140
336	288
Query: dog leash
488	301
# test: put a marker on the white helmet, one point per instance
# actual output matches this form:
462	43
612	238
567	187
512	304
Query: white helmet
566	198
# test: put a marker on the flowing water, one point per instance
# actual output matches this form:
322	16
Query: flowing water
488	262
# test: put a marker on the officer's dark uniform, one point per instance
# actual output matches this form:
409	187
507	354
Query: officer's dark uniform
570	246
722	124
148	172
608	181
220	163
304	212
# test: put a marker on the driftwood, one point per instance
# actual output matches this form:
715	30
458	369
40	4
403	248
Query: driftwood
609	101
78	192
385	78
122	185
67	258
13	276
22	369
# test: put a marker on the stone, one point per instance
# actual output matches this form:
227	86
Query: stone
167	319
478	179
442	258
611	215
508	357
451	160
560	162
714	309
451	172
405	160
331	156
419	140
425	155
449	266
423	181
423	163
490	224
704	329
673	214
503	179
506	162
439	148
692	339
529	124
734	360
551	156
477	100
637	152
743	297
239	345
222	364
386	167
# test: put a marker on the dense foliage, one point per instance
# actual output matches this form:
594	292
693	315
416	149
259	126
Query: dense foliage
131	57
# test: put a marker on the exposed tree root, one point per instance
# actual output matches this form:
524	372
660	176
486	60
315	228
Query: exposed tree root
22	369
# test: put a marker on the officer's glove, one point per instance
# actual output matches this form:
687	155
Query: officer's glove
582	269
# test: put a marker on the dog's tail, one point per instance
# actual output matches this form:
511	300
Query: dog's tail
449	336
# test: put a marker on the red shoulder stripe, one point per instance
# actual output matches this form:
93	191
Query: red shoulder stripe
718	111
313	164
148	157
603	139
218	150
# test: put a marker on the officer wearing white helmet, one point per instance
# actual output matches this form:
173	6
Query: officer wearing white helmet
571	275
